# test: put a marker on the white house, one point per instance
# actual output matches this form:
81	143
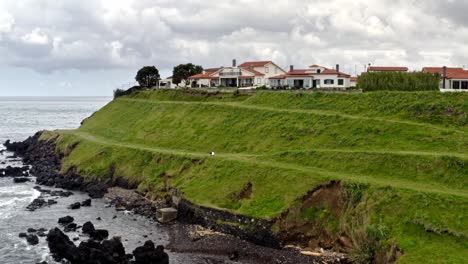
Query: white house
168	84
314	77
248	74
453	79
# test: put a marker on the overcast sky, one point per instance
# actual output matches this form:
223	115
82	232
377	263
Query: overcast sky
90	47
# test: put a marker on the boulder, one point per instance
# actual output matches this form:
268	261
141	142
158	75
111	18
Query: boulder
70	227
36	204
149	254
74	206
66	220
21	180
61	247
86	203
99	234
88	228
32	239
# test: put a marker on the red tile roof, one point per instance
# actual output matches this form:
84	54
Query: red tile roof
212	70
353	79
252	71
315	66
452	73
307	73
254	64
441	70
384	68
458	75
330	71
207	75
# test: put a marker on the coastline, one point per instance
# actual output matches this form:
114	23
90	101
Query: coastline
189	234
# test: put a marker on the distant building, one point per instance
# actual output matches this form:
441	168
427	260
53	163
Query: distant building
353	81
167	83
248	74
314	77
387	69
452	79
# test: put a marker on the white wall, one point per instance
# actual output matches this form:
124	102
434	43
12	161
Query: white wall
270	70
335	78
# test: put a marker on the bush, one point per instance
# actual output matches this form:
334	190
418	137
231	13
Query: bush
122	92
399	81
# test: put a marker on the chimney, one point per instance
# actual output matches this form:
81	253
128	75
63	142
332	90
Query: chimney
337	68
444	76
291	68
234	63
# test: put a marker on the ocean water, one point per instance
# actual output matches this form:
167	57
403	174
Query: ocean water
21	118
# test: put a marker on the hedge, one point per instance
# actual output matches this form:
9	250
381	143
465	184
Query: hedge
399	81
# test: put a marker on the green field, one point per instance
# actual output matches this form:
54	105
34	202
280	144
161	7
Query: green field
400	157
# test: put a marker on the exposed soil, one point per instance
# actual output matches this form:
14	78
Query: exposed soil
311	234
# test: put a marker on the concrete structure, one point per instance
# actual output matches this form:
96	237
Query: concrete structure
353	81
248	74
168	84
166	215
452	79
387	69
314	77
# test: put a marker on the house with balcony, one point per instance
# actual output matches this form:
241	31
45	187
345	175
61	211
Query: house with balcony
314	77
452	79
248	74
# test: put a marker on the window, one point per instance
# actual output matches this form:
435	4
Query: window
259	81
329	81
267	70
340	82
319	71
464	85
456	85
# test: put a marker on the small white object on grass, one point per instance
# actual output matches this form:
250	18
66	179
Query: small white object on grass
212	153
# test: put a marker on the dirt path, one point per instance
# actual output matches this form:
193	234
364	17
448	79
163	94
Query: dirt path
302	111
256	160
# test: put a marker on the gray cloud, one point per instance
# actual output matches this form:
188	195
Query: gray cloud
87	35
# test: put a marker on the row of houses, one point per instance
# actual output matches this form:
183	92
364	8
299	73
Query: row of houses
269	74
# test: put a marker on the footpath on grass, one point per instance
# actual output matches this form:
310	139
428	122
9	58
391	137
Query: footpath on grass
256	159
301	111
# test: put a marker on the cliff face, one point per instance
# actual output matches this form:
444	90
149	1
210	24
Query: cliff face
372	175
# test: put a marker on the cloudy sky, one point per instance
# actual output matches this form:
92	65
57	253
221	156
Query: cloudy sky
90	47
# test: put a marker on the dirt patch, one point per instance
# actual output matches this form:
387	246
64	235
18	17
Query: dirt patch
244	193
314	221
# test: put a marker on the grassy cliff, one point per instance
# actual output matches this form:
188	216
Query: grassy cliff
400	160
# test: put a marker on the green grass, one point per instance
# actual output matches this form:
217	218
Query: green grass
408	150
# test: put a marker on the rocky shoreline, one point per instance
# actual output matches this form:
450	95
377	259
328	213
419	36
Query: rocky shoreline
190	235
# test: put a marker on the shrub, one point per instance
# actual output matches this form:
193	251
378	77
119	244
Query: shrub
122	92
399	81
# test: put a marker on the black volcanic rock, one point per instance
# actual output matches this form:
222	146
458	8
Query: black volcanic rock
61	246
149	254
86	203
66	220
75	206
21	180
32	239
99	234
14	171
88	228
36	204
88	252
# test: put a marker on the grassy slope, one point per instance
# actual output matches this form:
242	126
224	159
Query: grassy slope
407	150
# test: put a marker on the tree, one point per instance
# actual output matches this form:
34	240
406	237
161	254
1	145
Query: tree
182	72
148	76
